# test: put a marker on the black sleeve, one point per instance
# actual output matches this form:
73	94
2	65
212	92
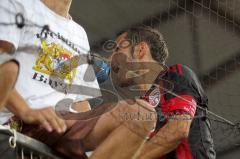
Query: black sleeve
181	80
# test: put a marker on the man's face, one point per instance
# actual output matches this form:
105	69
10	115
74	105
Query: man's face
121	61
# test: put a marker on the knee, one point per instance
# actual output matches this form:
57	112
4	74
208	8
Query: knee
9	70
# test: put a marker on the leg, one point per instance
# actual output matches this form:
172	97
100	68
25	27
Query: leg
68	144
116	136
87	135
8	76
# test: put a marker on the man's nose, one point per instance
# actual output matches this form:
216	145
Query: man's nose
115	51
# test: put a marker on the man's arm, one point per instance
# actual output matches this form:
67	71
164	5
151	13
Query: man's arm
6	47
168	137
8	71
45	117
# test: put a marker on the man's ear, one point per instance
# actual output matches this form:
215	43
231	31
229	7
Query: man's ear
142	50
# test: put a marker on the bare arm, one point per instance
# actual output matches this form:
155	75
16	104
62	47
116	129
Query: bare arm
17	105
168	137
45	117
6	47
8	73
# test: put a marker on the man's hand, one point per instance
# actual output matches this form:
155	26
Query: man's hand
45	117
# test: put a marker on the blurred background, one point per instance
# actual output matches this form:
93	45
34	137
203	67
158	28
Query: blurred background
202	34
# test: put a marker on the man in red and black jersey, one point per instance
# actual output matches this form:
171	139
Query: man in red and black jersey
181	131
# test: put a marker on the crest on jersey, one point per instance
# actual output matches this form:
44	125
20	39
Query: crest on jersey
154	97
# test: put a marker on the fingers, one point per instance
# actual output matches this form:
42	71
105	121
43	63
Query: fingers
51	121
59	124
46	125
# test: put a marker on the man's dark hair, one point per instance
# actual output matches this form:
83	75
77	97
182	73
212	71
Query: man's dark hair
152	37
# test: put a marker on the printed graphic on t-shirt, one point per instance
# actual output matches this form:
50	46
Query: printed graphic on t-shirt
51	61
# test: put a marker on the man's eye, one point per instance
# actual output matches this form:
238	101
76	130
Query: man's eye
124	44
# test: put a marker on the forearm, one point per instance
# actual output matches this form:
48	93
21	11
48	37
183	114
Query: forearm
167	138
45	117
16	104
159	146
8	77
8	72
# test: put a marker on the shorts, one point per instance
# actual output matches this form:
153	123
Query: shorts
68	145
6	58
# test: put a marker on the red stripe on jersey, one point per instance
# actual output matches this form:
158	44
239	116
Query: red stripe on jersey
180	69
173	68
185	103
183	151
162	99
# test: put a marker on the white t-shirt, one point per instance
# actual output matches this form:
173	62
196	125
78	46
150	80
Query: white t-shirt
39	57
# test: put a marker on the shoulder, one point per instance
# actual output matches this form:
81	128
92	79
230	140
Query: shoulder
26	4
79	29
23	7
181	74
17	5
179	77
180	70
81	35
181	80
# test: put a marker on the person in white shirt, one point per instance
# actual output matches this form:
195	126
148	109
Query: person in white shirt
33	99
40	54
